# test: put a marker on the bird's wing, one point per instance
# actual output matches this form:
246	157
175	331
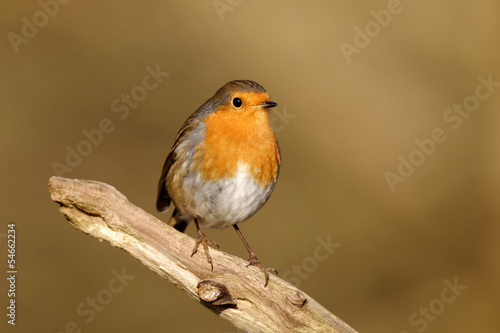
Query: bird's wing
163	200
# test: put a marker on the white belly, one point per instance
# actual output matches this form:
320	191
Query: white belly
220	204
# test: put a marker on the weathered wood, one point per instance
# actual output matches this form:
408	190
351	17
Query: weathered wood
232	290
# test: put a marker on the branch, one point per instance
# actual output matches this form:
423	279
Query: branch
232	290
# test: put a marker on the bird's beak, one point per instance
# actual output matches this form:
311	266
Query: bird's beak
267	105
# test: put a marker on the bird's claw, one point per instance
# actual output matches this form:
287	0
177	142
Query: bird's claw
202	239
255	262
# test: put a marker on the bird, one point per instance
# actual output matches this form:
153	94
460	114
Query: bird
223	165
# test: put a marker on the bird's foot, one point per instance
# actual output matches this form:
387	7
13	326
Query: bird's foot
202	239
255	262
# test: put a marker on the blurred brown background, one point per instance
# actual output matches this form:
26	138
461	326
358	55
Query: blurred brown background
342	126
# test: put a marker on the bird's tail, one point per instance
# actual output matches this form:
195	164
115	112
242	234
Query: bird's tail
177	222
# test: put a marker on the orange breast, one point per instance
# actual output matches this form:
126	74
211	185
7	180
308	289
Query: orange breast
231	138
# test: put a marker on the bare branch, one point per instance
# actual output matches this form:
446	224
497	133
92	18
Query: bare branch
233	291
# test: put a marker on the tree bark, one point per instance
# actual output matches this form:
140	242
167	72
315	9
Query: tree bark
232	290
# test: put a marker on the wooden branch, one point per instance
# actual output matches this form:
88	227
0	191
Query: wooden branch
232	290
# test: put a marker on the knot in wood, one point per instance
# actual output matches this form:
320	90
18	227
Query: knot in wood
298	299
214	293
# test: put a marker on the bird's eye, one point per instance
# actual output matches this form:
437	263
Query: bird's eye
237	102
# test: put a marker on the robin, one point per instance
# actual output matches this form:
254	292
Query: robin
223	165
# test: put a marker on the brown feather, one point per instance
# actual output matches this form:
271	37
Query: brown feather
163	200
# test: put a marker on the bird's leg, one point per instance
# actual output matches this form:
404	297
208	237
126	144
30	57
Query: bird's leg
253	258
202	239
